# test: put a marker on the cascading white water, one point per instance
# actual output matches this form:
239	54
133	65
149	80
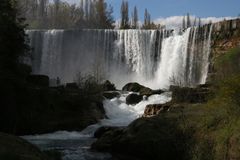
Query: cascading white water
51	57
75	145
151	57
173	59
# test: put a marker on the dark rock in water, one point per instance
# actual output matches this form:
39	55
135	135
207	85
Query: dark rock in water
38	80
146	91
103	143
102	130
134	99
190	95
159	91
72	86
111	95
152	138
108	86
135	87
15	148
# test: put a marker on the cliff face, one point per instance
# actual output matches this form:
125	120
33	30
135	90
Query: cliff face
225	36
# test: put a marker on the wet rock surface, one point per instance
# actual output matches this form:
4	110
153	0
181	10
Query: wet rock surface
110	94
136	87
15	148
199	94
134	99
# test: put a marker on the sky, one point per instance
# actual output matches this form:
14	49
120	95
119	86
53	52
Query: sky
167	8
170	11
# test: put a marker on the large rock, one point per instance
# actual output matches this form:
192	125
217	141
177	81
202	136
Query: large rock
44	110
102	130
155	109
38	80
111	94
190	95
108	86
134	99
15	148
133	87
136	87
146	139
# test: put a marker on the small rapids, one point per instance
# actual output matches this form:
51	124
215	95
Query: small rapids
76	145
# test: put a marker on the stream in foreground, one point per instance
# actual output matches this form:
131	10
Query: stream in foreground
76	145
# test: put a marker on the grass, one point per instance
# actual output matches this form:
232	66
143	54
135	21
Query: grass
217	135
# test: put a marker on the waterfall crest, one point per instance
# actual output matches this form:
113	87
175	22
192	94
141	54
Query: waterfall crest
156	58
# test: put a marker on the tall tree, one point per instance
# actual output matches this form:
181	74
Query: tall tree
12	35
42	12
104	15
183	23
199	22
135	19
86	11
124	15
147	20
92	15
188	20
195	22
56	12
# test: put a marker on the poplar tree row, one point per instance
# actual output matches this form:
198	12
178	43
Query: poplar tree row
133	23
187	22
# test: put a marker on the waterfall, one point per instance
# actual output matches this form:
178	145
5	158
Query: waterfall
157	58
185	58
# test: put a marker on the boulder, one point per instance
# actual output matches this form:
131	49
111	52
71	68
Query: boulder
102	130
108	86
133	87
134	99
155	109
152	138
110	95
38	80
136	87
190	95
15	148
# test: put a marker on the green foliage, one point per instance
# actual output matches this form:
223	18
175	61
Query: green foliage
228	64
12	36
148	24
60	14
220	123
124	15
